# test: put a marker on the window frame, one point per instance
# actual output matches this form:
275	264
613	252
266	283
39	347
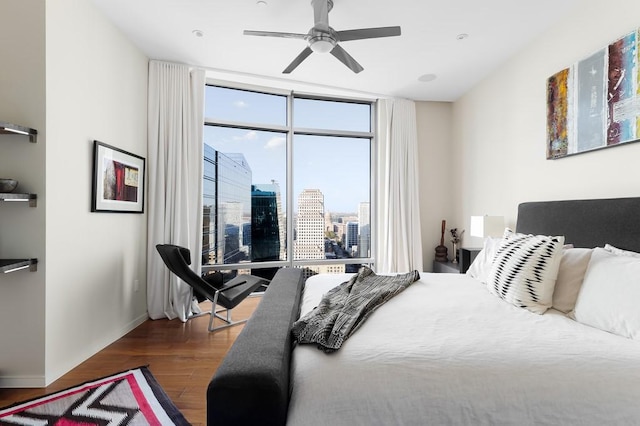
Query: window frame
290	132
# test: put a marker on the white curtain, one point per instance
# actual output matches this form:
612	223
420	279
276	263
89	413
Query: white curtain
399	240
175	138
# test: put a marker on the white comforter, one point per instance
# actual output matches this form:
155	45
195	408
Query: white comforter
446	352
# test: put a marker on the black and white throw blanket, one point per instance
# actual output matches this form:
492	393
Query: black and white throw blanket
344	308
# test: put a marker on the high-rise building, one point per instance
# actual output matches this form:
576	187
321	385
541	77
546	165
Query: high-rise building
208	222
328	224
232	249
226	206
351	239
309	243
268	228
340	230
364	230
246	234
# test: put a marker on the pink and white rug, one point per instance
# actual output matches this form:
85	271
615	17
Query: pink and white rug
132	397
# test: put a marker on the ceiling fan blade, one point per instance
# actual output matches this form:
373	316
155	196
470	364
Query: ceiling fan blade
320	12
364	33
346	59
274	34
298	60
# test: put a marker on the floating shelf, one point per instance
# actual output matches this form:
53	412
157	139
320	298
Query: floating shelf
13	265
10	196
14	129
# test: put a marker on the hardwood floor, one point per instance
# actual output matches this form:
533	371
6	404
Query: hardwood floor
181	356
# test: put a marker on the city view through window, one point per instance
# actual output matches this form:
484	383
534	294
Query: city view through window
266	154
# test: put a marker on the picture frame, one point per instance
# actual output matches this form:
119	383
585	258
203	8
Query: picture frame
118	180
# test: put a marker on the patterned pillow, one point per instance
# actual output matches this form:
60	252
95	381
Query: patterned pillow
525	269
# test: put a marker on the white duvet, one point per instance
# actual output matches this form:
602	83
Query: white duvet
447	352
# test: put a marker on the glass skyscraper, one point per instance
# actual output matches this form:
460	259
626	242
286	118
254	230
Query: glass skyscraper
226	207
351	243
267	223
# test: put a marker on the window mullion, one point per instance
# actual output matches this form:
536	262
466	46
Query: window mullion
373	184
237	125
333	133
290	234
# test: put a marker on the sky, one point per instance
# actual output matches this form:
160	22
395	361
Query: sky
337	166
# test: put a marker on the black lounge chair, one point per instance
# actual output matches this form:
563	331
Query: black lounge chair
227	295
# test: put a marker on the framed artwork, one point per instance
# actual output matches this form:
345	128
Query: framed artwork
595	103
118	180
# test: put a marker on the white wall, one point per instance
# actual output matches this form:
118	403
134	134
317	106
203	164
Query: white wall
499	127
96	89
22	228
67	72
437	176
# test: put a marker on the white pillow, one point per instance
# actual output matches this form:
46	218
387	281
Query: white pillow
479	268
525	269
620	252
610	292
573	265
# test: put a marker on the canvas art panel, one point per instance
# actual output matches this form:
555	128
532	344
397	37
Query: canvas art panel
595	103
118	180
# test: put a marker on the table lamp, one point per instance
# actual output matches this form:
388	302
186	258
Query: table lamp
487	226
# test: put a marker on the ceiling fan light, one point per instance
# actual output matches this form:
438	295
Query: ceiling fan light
322	44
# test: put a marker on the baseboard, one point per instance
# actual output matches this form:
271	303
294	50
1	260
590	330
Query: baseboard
27	381
22	382
94	349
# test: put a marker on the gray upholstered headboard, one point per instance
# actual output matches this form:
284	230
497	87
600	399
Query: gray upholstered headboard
585	223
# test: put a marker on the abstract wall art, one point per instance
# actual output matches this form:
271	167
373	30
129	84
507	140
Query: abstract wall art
595	103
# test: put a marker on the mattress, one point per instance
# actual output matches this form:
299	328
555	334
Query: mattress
447	352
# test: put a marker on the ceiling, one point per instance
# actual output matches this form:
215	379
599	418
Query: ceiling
429	44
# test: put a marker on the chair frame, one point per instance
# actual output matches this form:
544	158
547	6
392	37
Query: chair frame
208	290
216	313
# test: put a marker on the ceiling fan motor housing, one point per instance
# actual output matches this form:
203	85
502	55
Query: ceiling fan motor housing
321	41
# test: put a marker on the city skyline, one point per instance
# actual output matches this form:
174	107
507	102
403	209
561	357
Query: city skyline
245	222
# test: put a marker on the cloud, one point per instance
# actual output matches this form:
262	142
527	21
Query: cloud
240	104
275	142
251	135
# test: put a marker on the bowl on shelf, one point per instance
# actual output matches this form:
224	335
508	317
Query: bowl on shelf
8	185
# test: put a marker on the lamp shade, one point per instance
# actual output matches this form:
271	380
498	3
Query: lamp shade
487	226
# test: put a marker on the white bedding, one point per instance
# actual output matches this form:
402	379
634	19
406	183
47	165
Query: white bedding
447	352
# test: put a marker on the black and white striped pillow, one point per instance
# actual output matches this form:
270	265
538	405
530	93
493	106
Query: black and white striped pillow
525	269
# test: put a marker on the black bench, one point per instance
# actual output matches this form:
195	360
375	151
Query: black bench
251	386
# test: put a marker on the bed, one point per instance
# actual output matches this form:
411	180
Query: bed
446	351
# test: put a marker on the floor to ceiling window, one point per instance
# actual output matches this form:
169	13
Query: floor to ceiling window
287	182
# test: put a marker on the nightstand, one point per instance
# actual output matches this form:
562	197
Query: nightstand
467	256
446	267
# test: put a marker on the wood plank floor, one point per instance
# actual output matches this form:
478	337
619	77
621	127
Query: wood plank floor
181	356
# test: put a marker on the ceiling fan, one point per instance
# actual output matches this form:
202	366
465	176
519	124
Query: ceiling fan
322	38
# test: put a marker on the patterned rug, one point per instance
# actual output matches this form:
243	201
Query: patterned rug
129	398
